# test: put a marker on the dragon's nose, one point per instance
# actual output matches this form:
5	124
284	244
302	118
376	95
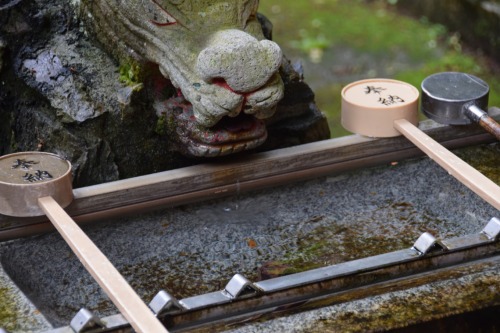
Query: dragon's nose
241	60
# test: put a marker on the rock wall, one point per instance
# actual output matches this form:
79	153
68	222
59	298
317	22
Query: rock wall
61	93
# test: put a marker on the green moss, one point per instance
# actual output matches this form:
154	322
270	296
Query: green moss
486	159
8	314
333	243
374	29
13	144
366	26
130	74
161	125
441	301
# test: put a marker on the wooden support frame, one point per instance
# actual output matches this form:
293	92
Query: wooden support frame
250	172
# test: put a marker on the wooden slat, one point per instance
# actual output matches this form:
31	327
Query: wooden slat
257	166
456	167
140	317
223	176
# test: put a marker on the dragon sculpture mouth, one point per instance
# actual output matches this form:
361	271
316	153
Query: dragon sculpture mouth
230	134
214	53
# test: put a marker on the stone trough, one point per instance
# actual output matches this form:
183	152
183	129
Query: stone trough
324	218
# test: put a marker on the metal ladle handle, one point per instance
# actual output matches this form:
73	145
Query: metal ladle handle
476	114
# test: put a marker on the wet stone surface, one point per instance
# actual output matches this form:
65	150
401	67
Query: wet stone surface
399	309
196	249
17	313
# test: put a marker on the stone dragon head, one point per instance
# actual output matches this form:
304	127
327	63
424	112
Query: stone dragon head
214	52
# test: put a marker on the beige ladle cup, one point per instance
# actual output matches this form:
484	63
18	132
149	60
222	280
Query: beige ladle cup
388	108
36	183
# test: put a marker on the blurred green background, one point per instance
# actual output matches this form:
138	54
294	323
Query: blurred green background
341	41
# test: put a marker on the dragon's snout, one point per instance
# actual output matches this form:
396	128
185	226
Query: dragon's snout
243	62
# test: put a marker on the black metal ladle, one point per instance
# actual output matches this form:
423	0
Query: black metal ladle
455	98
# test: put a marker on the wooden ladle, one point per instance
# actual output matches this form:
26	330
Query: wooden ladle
35	183
387	108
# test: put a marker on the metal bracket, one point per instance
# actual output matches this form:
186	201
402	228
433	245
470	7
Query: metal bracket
427	243
492	229
164	302
85	321
239	286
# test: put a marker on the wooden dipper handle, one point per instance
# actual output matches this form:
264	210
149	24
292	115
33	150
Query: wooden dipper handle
476	114
467	175
114	284
490	125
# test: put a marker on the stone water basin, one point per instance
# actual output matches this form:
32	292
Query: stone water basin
17	313
195	249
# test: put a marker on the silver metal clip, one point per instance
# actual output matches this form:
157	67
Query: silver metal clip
492	229
239	286
85	321
427	243
164	302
